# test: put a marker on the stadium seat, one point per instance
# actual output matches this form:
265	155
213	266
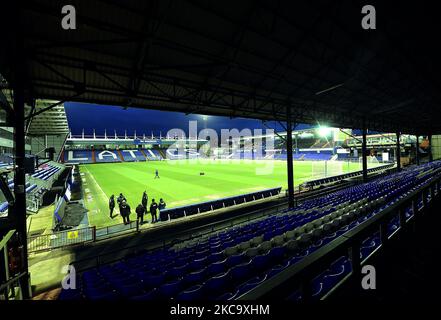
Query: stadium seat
170	289
251	252
191	294
265	246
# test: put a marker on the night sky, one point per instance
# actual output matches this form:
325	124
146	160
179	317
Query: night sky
91	116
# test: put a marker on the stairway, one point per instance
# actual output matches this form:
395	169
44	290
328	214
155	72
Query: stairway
120	155
62	156
143	153
161	152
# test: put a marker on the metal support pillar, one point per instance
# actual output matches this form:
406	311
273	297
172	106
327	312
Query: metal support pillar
364	152
289	162
20	178
430	148
398	152
18	82
297	146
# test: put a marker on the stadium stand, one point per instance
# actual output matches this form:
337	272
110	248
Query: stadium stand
107	156
132	155
226	264
102	156
36	185
78	156
152	154
179	212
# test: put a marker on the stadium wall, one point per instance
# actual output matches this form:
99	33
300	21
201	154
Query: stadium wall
40	143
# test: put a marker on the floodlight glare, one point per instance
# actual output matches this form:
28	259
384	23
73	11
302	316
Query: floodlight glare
324	131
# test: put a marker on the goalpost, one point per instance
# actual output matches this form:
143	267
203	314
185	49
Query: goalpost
323	169
329	168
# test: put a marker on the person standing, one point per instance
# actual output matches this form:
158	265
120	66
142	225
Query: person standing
140	211
120	199
156	174
153	211
144	200
111	205
161	204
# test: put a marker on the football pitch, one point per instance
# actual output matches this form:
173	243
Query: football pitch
181	183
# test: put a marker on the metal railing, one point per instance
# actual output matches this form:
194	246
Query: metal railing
61	239
120	228
12	287
300	275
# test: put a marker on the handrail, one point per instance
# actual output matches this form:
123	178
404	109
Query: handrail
302	273
12	280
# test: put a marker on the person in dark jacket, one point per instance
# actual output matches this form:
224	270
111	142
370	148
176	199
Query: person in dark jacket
140	211
125	212
120	199
144	200
111	205
153	211
161	204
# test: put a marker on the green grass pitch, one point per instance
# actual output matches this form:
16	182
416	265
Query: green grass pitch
180	181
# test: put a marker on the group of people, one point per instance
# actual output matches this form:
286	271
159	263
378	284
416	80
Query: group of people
141	209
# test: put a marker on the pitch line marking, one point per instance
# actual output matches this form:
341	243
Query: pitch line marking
99	187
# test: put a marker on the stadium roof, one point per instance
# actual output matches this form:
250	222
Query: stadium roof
48	116
244	58
50	122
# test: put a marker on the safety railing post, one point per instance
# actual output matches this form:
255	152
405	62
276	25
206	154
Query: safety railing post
402	216
94	233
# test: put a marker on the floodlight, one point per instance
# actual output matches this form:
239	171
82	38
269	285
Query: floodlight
324	131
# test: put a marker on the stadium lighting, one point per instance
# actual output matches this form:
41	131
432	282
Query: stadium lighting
324	131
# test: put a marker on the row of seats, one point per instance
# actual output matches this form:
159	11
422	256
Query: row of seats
317	156
226	264
183	211
4	164
46	173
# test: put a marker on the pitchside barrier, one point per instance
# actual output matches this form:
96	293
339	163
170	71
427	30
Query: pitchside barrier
90	234
179	212
314	183
61	239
